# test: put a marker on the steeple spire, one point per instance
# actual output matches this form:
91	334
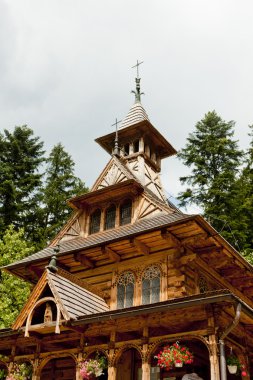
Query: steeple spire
116	151
137	92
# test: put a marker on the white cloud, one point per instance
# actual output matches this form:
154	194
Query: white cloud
65	70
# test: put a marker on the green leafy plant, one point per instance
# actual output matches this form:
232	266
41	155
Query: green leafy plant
3	373
20	371
233	360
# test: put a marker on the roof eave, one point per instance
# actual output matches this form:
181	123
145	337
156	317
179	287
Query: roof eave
185	302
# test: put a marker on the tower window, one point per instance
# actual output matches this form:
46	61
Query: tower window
110	216
125	212
151	285
95	219
126	149
136	146
125	290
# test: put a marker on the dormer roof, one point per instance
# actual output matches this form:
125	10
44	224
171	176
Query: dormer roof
73	297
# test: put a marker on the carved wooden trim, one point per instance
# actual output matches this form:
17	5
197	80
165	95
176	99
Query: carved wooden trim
38	303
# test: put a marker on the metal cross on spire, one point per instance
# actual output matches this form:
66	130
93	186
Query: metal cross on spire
137	92
137	67
116	151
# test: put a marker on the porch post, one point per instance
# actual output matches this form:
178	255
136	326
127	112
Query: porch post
112	372
145	363
214	359
35	375
145	371
79	358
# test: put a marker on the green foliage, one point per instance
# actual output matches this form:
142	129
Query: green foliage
215	186
21	155
60	185
13	291
29	198
3	373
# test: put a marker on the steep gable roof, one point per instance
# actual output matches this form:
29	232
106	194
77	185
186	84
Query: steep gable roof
73	298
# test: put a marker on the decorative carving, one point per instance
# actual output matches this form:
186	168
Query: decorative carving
48	315
154	268
151	272
113	175
126	278
119	352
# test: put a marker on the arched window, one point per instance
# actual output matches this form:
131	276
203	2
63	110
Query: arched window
95	219
110	216
125	212
151	285
125	290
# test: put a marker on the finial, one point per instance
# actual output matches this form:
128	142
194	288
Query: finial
52	266
137	92
116	151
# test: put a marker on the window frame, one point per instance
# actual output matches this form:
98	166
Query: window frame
150	289
122	282
90	221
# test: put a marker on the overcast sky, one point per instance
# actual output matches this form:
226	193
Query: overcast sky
65	70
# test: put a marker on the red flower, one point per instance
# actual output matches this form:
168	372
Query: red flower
244	373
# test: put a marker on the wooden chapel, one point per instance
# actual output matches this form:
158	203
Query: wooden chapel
130	273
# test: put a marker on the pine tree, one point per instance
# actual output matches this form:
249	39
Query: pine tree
246	197
13	291
214	157
21	155
60	185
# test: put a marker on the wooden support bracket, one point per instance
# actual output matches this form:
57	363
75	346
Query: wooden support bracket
141	247
84	260
166	235
112	254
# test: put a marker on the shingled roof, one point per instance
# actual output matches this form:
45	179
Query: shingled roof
76	300
79	243
135	115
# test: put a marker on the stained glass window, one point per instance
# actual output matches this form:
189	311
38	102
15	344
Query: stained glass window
151	285
125	212
95	221
110	216
125	290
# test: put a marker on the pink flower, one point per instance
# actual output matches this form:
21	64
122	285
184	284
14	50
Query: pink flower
244	373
